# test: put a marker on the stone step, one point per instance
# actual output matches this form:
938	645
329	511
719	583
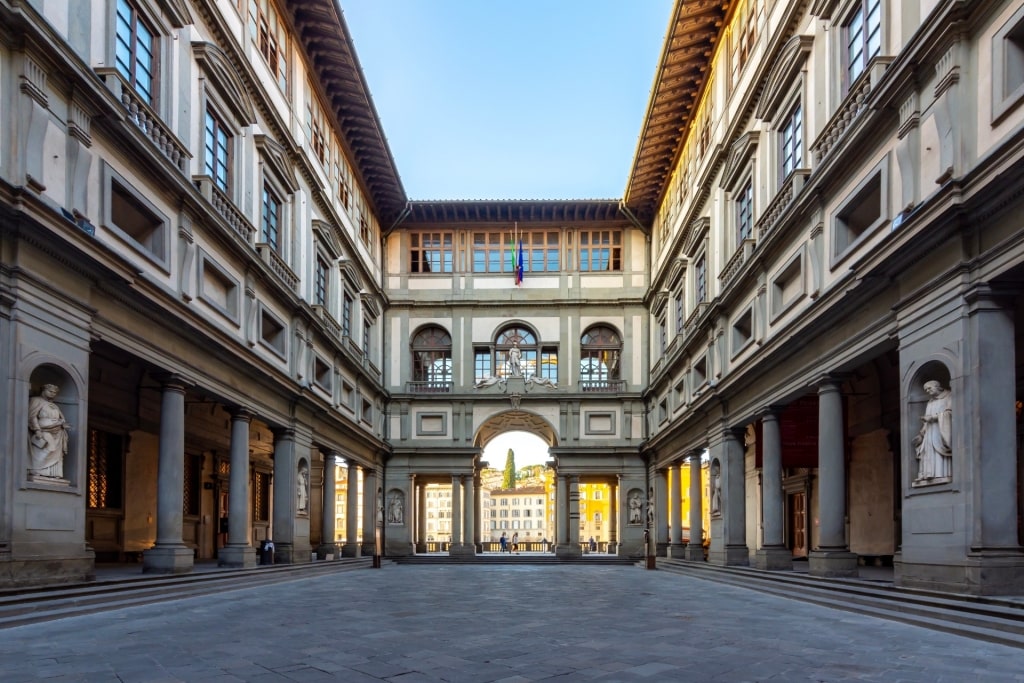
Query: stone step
503	559
22	606
983	618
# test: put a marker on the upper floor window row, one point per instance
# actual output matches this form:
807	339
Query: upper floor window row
863	34
270	34
501	251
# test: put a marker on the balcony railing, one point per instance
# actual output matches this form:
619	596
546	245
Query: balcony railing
147	120
603	386
783	198
280	268
428	387
736	262
225	207
332	325
855	103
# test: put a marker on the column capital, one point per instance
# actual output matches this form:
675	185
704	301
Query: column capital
829	382
241	414
172	381
769	412
282	433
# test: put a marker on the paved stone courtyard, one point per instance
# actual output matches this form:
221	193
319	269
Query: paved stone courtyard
467	624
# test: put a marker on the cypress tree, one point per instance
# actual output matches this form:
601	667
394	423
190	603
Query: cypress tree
508	481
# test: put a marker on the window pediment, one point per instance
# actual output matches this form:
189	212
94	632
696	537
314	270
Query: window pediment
695	235
276	157
324	233
739	158
218	68
787	65
177	11
676	272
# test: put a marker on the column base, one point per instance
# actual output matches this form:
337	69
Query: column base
730	556
350	550
677	551
462	550
178	559
694	553
773	558
327	551
236	556
661	550
568	550
832	563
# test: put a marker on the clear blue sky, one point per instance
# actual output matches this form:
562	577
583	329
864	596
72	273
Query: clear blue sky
514	99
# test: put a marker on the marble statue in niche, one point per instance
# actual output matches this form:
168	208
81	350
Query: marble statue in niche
48	434
933	446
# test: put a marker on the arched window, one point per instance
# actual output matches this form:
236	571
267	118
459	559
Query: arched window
526	342
432	360
600	348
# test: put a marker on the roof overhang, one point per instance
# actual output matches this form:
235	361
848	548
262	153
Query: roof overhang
681	77
513	211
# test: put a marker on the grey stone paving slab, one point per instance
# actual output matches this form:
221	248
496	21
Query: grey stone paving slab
508	624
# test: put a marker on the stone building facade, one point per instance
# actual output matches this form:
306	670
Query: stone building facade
212	282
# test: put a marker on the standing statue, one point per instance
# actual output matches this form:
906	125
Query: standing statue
635	507
716	488
48	434
515	361
933	444
302	489
650	508
396	512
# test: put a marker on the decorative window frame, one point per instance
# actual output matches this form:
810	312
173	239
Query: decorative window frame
589	427
1007	49
786	88
279	350
231	310
277	174
739	174
793	269
423	429
842	246
159	255
742	331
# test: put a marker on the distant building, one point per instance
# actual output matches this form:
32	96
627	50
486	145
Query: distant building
523	511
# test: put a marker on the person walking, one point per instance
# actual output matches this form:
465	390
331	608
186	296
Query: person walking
515	543
504	542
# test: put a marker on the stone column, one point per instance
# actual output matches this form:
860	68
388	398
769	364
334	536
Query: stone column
675	511
731	547
238	552
284	496
695	548
988	455
562	513
329	522
370	513
455	548
661	522
478	524
832	557
574	549
469	517
170	555
421	518
613	519
773	554
351	547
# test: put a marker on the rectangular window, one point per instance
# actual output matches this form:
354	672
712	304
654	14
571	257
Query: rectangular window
366	339
321	288
495	252
600	250
680	318
700	279
270	220
346	316
792	142
316	126
549	365
270	34
217	151
863	34
261	497
482	364
662	335
105	470
431	252
193	473
133	51
744	214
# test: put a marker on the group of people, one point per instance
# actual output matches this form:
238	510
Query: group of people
510	546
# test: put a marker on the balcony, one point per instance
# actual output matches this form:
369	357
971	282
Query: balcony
235	219
147	120
853	106
783	198
602	386
429	387
332	325
734	265
277	264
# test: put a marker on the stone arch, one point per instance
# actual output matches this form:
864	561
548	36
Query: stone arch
518	421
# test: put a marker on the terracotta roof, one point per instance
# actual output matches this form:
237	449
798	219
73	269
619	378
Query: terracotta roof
682	74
